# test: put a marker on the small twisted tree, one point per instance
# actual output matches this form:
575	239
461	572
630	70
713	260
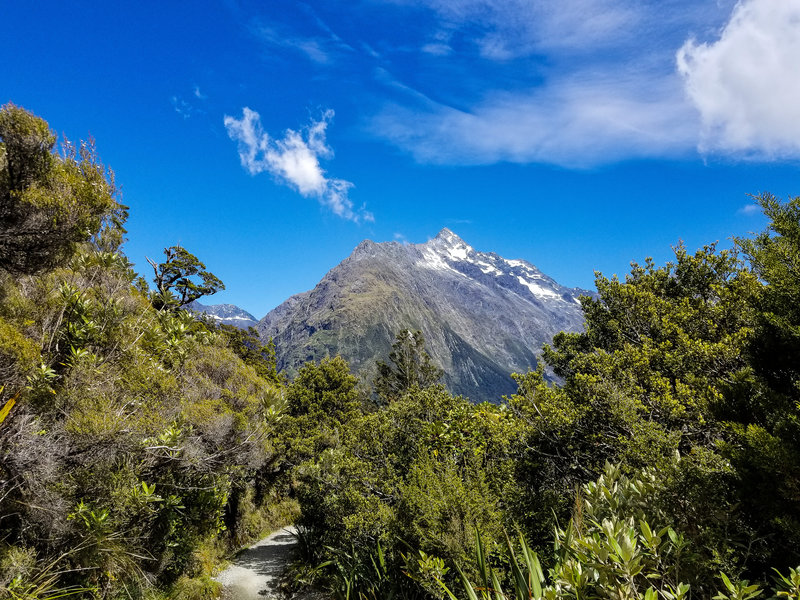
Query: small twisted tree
182	278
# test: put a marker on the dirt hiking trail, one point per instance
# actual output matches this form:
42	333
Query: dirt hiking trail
254	572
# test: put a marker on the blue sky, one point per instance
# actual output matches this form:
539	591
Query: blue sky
269	138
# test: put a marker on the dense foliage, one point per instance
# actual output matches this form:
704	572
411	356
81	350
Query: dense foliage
49	202
656	454
612	549
696	359
130	437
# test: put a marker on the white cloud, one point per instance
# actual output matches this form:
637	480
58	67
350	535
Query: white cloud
294	160
188	108
749	209
746	85
575	122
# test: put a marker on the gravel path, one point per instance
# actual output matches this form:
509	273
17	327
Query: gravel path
255	571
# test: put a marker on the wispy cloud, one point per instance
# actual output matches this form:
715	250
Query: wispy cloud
294	160
317	50
570	82
183	108
746	84
578	122
191	107
437	49
319	43
749	209
575	83
506	29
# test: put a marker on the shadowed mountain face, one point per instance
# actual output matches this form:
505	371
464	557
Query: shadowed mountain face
483	316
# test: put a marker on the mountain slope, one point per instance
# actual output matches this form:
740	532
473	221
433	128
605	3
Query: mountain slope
483	316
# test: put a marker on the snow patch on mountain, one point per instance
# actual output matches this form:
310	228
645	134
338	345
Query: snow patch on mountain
459	252
236	318
486	268
434	260
537	290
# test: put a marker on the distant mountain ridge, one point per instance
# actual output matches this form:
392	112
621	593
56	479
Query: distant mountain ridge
229	314
483	316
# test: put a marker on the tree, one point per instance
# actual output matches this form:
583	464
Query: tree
774	255
320	401
413	367
661	359
181	279
49	202
665	342
764	445
326	391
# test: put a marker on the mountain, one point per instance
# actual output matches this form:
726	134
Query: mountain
229	314
483	316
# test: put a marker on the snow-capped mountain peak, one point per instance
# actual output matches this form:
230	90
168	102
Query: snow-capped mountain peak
451	246
448	252
447	235
228	314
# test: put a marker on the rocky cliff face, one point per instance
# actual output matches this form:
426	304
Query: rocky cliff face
483	316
